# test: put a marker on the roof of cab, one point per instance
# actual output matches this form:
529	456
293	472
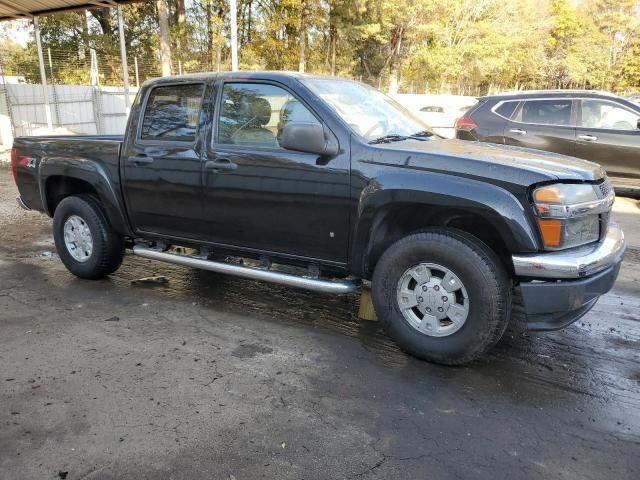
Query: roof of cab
282	76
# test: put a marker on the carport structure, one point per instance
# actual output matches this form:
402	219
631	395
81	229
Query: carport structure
32	9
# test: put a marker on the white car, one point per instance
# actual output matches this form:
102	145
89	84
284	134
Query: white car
440	112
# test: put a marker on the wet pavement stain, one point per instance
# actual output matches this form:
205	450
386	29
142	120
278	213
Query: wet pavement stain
250	350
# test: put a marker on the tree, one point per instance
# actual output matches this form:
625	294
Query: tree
463	46
164	41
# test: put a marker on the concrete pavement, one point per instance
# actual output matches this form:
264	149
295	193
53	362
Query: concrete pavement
215	377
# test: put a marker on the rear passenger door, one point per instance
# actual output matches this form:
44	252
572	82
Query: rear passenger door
543	124
161	162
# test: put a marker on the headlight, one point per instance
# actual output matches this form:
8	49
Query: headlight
569	214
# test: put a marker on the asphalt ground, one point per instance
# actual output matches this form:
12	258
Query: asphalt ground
213	377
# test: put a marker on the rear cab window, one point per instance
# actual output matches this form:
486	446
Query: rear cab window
172	112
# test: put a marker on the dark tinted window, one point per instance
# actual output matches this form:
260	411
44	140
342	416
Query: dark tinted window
506	109
547	112
254	114
172	113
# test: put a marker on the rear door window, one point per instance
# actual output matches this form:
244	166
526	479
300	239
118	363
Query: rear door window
172	113
547	112
506	109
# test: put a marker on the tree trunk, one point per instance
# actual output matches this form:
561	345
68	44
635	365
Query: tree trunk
394	63
181	14
333	40
84	51
393	79
165	41
303	35
103	16
181	17
219	39
249	21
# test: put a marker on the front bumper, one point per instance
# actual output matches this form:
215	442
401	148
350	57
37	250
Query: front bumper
560	287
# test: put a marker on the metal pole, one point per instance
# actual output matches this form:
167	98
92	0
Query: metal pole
234	34
53	87
43	74
123	58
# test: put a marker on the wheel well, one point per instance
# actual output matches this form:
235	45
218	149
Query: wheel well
58	187
400	220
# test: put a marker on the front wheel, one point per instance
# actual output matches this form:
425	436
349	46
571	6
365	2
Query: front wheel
442	295
85	241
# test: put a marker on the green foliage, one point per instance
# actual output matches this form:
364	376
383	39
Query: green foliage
462	46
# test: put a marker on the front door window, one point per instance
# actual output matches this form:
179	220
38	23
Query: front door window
603	114
254	114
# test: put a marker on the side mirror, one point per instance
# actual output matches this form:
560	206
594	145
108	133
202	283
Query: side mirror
308	137
638	124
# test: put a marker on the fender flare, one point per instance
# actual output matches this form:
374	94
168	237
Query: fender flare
94	174
491	202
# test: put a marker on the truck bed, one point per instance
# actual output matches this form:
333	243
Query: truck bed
32	154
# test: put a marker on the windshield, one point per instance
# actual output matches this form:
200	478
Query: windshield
372	114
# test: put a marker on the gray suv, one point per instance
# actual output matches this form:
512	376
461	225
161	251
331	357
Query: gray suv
596	126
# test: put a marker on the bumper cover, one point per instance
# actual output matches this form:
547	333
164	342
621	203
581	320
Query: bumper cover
576	262
21	204
560	287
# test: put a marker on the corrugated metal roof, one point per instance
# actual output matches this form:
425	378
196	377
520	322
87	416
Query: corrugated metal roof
11	9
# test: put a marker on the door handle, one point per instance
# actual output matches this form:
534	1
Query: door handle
518	131
588	138
220	164
140	160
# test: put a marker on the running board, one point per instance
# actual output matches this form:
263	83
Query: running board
325	286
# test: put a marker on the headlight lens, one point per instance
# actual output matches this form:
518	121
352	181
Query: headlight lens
568	214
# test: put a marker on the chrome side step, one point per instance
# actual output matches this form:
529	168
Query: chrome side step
325	286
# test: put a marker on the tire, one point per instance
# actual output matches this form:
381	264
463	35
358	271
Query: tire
484	293
79	213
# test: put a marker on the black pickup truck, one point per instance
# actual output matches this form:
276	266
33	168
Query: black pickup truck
327	184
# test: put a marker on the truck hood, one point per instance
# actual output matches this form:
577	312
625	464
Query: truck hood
501	163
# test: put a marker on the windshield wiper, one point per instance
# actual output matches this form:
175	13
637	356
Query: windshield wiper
421	134
392	137
396	137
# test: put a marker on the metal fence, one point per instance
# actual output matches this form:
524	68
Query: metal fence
78	109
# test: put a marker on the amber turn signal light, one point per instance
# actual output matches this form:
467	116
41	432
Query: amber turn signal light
551	231
547	195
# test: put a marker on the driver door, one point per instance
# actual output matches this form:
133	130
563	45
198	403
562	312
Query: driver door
260	196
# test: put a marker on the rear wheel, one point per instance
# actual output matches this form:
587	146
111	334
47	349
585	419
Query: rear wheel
442	295
85	241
